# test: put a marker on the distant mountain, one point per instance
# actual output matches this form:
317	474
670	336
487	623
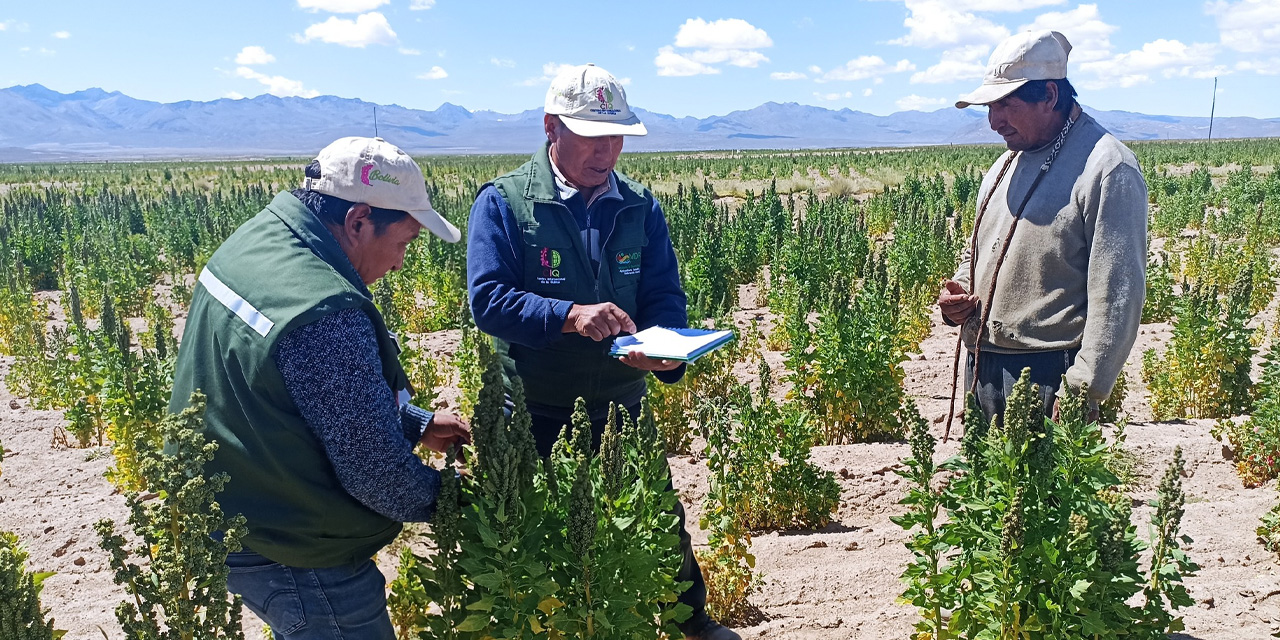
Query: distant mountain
40	123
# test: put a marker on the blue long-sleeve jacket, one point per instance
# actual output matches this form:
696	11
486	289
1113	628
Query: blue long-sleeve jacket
495	255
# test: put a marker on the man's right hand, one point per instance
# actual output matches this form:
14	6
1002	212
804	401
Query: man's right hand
956	303
598	321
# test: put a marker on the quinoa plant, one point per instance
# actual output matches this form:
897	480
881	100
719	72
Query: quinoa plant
1256	441
21	617
1031	537
579	545
176	573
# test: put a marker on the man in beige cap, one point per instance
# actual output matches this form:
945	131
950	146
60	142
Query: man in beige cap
565	253
1054	276
306	397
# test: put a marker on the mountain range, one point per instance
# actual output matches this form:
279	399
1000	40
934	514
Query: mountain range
40	124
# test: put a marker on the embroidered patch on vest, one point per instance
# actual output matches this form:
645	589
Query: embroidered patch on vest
628	263
550	260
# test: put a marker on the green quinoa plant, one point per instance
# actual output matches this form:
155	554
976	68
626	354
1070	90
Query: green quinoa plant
21	617
176	573
1256	441
771	484
1031	537
577	546
1205	371
728	566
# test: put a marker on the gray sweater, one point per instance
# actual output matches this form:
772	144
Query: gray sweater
1076	268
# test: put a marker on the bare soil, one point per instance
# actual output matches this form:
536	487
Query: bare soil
840	582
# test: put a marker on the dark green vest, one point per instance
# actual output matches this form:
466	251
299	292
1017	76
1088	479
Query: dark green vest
556	265
280	270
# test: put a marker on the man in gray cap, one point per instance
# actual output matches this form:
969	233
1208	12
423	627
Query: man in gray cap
565	253
1054	275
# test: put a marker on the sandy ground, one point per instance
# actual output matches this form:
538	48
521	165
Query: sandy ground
840	582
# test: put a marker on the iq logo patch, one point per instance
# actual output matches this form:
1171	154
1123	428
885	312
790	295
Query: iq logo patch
628	262
605	97
550	261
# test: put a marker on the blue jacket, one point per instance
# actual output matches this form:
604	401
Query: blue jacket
495	259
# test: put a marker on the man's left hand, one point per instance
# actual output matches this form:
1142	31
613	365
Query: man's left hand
444	431
1095	413
645	363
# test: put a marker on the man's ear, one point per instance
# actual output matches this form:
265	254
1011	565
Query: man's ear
1052	94
357	218
551	126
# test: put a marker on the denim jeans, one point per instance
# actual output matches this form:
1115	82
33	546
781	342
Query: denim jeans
998	372
335	603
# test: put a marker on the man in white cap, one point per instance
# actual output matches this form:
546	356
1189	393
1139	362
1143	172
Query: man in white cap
306	397
565	253
1054	276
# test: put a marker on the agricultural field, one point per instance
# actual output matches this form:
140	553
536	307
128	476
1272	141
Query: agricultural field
811	452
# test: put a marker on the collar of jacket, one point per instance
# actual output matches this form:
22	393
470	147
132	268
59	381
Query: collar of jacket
316	236
542	181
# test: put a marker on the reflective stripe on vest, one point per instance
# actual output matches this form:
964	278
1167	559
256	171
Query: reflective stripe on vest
238	305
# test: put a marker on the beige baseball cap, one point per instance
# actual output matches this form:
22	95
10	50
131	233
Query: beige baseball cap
592	103
1031	55
379	174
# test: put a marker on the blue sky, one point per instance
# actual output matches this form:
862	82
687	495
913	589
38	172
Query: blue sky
682	58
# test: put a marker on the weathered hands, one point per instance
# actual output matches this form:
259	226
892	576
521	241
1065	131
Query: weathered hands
445	430
598	321
956	304
645	363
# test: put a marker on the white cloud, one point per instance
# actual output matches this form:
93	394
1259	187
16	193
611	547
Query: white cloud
1251	26
626	82
421	5
1261	67
914	102
409	52
862	68
962	63
366	29
828	97
62	35
788	75
670	63
867	92
252	55
733	33
1169	58
549	71
1013	6
503	62
277	85
232	95
731	41
1089	36
14	25
436	73
937	23
341	6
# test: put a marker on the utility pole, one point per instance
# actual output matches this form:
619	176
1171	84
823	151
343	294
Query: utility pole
1213	107
375	114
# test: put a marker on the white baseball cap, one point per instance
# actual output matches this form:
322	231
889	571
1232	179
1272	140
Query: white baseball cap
592	103
1021	58
379	174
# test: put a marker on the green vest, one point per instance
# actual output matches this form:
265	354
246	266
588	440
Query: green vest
556	265
279	271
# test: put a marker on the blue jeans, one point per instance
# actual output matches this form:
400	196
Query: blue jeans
335	603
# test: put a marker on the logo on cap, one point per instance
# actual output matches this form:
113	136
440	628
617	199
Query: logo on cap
367	173
605	96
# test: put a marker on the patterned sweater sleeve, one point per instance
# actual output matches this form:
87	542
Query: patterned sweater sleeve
334	376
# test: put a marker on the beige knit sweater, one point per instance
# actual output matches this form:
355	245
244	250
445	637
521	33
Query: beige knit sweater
1076	268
